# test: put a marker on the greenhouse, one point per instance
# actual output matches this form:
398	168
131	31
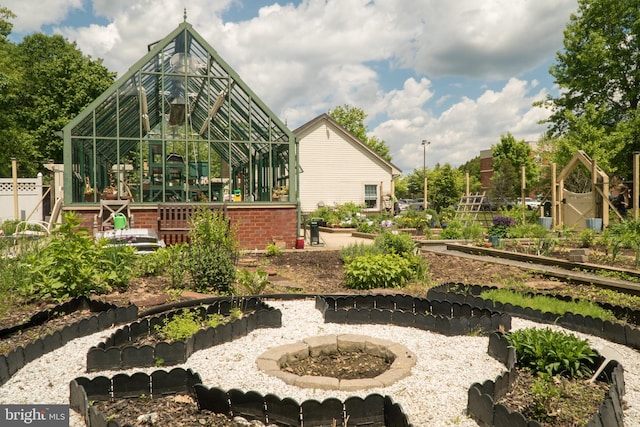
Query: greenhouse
180	126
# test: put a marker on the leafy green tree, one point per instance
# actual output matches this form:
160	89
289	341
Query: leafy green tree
599	80
445	187
517	153
45	81
502	183
352	119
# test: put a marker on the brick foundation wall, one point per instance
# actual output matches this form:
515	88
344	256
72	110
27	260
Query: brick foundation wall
256	227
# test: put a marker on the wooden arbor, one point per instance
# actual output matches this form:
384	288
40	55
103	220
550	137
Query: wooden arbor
568	209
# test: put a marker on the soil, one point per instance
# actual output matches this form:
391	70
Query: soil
347	365
308	272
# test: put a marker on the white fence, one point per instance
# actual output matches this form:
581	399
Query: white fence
29	199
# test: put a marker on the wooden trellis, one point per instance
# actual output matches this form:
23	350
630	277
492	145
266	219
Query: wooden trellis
470	206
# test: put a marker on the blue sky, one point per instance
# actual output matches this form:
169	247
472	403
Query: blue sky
459	73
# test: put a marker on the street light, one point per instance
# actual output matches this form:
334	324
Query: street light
425	204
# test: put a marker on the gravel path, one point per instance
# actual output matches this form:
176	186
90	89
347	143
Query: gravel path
434	395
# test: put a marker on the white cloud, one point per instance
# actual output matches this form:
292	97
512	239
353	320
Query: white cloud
384	56
466	128
31	16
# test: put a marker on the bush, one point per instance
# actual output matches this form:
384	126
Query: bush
501	225
454	230
72	264
377	271
213	252
551	353
395	243
272	250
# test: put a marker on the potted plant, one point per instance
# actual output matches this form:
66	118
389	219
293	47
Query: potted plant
281	192
109	193
88	193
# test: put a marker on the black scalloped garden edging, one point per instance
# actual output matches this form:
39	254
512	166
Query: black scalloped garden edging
437	315
83	390
110	355
109	315
482	397
374	410
611	331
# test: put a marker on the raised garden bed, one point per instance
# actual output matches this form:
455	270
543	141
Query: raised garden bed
103	316
120	352
374	410
482	398
437	315
626	334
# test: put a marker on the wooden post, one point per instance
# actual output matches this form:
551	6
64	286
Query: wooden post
594	189
554	197
14	174
523	186
467	184
636	185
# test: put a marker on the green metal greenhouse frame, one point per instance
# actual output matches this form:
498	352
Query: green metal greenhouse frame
179	126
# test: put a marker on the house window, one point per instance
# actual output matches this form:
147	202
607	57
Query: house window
371	196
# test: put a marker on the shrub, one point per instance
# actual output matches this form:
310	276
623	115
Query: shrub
395	243
73	264
551	353
501	225
152	264
377	271
212	253
454	230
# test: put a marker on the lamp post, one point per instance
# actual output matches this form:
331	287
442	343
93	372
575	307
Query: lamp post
425	204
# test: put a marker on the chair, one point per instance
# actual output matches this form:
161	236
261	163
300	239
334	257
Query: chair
108	210
34	228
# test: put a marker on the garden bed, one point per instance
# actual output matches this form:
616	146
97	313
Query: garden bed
120	351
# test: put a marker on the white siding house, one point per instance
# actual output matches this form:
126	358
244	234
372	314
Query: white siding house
336	168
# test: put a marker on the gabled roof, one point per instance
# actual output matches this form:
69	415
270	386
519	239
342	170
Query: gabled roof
180	70
313	124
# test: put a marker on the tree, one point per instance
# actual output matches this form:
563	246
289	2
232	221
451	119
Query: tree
517	153
502	188
352	119
45	81
445	187
598	73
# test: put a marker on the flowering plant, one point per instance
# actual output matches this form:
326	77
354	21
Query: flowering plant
281	190
501	225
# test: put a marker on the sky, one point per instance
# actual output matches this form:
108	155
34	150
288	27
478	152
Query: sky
457	73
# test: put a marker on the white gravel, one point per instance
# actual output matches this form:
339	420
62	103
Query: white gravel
435	394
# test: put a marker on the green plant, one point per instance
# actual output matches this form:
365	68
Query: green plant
548	304
552	353
272	250
159	362
587	237
176	267
179	327
395	243
73	264
357	249
377	271
253	282
152	264
212	253
454	230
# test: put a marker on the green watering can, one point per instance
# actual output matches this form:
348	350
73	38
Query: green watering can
119	221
